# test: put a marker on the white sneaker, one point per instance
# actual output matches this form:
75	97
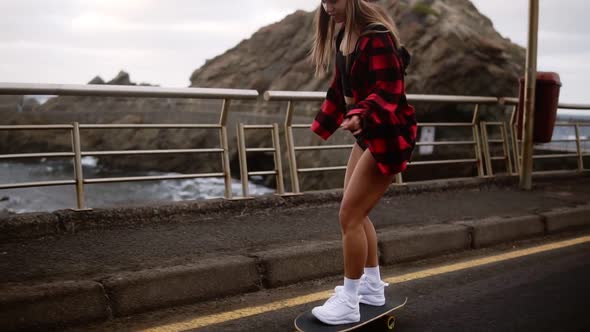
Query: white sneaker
341	308
371	293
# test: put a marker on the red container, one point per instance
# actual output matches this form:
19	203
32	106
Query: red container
546	100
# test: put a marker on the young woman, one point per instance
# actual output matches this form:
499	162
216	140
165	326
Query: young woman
367	98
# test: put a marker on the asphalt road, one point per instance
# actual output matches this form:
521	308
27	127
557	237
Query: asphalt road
542	291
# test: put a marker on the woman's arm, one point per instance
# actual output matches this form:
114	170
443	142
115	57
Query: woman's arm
332	110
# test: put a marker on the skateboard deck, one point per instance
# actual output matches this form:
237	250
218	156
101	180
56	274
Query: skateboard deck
306	322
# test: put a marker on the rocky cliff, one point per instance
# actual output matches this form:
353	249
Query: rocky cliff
455	50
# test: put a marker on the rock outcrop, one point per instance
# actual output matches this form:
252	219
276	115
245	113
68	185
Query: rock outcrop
96	81
18	104
10	103
455	50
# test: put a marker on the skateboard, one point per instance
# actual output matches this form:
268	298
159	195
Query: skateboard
306	322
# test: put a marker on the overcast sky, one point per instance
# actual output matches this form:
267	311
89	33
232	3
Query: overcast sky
162	42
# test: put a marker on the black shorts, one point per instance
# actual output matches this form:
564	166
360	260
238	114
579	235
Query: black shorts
360	141
359	137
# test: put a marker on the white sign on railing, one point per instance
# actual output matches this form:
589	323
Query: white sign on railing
427	135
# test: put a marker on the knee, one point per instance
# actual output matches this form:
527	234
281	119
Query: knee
349	218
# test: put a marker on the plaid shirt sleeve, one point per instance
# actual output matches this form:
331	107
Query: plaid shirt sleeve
331	114
386	88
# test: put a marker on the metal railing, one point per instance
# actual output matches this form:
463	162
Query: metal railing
517	143
275	149
505	146
125	91
480	141
476	142
294	96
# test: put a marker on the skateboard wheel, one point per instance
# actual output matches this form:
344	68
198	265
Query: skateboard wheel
390	322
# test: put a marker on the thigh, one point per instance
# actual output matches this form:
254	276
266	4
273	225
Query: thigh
355	155
366	186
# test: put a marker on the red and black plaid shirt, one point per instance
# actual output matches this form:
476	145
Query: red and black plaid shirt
377	82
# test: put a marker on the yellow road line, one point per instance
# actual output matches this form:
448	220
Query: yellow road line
296	301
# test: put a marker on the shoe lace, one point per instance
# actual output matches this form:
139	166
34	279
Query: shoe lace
365	282
336	298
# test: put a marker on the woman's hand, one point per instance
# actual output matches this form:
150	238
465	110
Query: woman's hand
352	124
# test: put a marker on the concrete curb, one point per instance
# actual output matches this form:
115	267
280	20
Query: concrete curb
564	219
28	225
141	291
405	244
66	303
289	265
34	225
52	305
495	230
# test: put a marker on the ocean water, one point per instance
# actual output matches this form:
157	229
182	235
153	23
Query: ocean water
568	133
103	195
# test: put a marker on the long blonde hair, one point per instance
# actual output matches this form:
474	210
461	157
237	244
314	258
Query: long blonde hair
362	17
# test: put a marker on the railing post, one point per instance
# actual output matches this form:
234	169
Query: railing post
399	180
291	149
278	162
579	148
478	154
487	156
225	147
514	138
507	158
243	160
78	166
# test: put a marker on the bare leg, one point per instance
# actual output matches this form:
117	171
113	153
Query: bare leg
364	185
372	256
364	188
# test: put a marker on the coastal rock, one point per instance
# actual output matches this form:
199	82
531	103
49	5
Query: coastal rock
122	78
455	50
18	104
10	103
96	80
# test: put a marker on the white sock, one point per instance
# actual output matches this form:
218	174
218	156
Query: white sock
351	286
373	274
